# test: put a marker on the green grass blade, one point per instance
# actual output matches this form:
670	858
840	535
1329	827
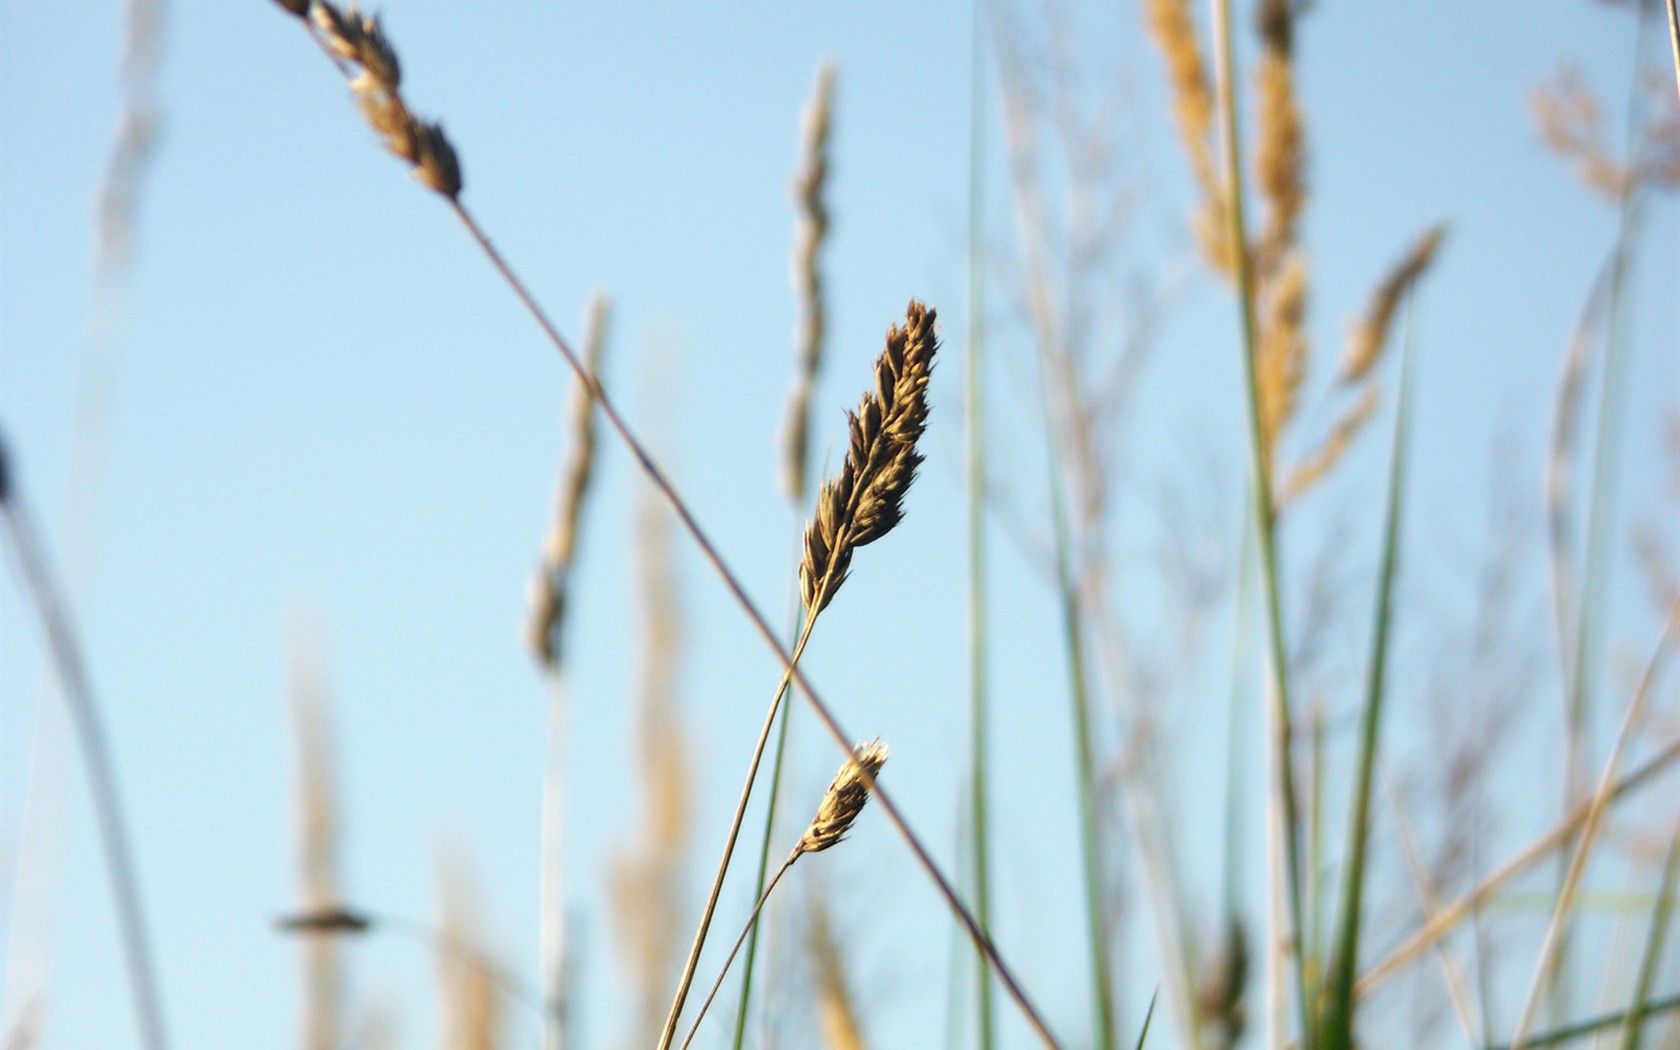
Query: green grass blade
1265	516
1634	1024
1592	1025
1147	1017
973	418
1338	1008
747	964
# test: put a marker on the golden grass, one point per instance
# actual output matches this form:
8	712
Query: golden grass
469	996
648	875
1369	335
837	1007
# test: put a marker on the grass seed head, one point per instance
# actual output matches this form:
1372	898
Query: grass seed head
845	799
866	499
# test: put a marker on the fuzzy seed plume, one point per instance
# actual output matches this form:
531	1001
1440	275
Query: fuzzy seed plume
1369	334
845	799
866	499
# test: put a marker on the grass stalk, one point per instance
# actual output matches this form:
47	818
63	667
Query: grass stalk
761	882
1073	637
96	756
1339	1006
974	439
1265	518
840	808
1673	8
1594	1025
809	188
1148	1016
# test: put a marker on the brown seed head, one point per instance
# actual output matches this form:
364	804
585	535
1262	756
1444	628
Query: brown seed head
844	800
866	499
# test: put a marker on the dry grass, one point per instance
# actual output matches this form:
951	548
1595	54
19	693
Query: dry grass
551	584
844	800
865	499
649	875
367	58
469	996
837	1007
809	193
317	847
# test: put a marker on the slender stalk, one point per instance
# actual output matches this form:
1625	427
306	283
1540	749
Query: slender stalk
1338	1023
1601	500
1574	1031
973	422
1674	40
706	914
1079	694
96	755
752	923
551	904
759	886
1265	517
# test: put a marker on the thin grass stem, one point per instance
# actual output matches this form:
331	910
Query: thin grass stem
1339	1006
96	754
974	435
752	922
1073	639
1264	516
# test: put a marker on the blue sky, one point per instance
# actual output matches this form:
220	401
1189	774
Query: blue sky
323	415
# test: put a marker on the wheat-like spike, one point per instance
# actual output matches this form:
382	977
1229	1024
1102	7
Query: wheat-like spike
844	799
866	499
1369	334
549	586
808	189
365	54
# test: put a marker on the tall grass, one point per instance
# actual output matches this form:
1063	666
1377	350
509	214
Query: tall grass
1328	852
